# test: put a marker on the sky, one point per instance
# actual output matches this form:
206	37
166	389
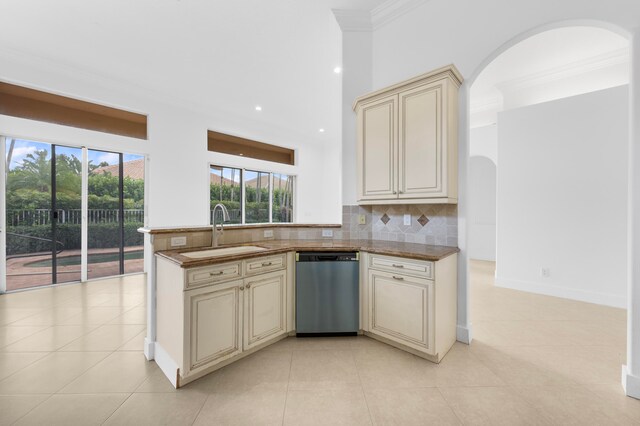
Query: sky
24	147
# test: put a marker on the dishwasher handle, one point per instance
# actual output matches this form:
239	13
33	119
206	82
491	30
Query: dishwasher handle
327	257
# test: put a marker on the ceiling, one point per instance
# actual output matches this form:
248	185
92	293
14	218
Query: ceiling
551	56
222	55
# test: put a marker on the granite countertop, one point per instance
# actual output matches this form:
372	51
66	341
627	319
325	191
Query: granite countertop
407	250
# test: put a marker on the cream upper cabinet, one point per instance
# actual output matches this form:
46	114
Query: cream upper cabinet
407	141
378	123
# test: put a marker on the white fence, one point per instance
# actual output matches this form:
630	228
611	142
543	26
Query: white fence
71	217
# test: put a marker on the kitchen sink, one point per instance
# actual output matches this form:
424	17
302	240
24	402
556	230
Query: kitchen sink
223	251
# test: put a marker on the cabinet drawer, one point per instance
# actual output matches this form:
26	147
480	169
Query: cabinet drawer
197	277
417	268
265	264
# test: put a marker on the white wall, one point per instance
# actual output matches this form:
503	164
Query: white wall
483	142
482	208
356	49
177	148
467	32
562	197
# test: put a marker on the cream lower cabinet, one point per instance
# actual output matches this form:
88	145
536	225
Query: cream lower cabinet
265	302
215	321
204	328
411	304
399	309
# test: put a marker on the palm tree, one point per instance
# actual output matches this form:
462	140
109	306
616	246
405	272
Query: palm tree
33	173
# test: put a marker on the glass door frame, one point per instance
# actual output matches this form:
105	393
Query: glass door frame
84	208
3	217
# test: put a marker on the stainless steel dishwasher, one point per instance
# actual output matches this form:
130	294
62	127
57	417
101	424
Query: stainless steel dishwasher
327	296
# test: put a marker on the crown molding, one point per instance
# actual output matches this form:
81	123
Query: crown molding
364	20
391	10
353	20
594	63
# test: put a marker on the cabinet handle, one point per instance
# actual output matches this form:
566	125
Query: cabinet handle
241	288
395	265
211	274
267	263
398	278
248	285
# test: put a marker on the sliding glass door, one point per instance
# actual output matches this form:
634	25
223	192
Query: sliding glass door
116	211
44	214
28	228
66	221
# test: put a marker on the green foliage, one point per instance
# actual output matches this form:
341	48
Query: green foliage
29	185
257	211
104	235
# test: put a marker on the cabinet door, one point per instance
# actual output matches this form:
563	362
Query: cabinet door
400	309
377	149
420	148
265	302
214	316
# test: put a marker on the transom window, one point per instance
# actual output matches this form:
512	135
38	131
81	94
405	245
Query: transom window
251	196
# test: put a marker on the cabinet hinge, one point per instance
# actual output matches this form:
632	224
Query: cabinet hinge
297	257
357	255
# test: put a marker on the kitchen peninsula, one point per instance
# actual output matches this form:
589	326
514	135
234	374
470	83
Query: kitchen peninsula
217	305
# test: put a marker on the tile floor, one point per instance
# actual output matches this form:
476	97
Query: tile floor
71	355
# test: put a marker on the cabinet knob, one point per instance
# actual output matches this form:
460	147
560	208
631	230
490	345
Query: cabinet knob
212	274
241	288
267	263
395	265
398	278
248	285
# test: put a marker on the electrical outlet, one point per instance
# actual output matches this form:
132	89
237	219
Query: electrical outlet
362	219
407	219
545	272
178	241
327	232
268	233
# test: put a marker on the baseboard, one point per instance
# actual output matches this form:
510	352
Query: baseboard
630	383
564	292
167	365
463	334
149	349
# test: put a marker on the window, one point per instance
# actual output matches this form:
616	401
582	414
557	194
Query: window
251	196
282	198
224	184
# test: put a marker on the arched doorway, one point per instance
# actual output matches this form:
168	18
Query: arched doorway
465	131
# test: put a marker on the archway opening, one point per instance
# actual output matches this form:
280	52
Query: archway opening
551	112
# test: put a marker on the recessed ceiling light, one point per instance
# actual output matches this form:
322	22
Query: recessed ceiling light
321	130
337	70
258	108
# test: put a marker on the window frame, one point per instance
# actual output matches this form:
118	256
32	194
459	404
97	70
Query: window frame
243	200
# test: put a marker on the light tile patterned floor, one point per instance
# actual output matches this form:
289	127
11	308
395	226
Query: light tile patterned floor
71	355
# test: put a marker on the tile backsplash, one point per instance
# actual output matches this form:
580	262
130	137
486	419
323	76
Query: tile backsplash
430	223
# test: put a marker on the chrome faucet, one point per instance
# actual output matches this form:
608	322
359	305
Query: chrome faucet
225	218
